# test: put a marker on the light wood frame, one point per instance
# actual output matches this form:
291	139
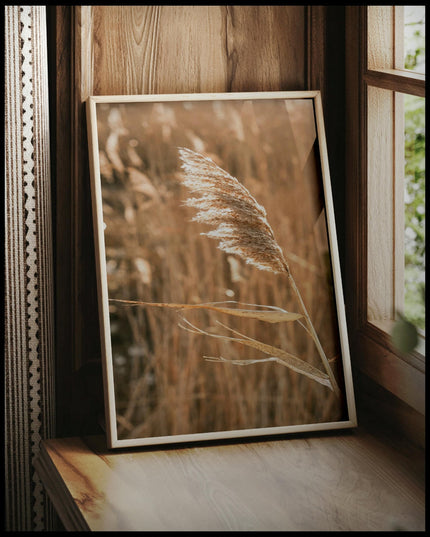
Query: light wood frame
348	418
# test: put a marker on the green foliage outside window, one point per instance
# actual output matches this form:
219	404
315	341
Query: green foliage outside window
414	307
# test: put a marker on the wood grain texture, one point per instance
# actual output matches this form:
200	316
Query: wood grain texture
316	39
380	37
187	49
346	482
380	205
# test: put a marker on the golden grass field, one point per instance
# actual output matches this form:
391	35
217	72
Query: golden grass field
155	253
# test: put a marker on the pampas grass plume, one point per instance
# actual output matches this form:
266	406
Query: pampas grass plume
239	221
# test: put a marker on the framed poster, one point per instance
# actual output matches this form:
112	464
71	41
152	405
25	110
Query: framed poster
220	293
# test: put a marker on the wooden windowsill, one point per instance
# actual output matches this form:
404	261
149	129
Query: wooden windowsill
348	481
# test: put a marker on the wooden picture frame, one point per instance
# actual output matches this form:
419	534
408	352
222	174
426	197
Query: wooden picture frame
220	295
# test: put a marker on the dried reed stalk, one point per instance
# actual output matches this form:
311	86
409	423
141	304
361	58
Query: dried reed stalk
280	356
269	314
241	225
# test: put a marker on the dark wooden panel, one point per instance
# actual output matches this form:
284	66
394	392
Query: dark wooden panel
59	26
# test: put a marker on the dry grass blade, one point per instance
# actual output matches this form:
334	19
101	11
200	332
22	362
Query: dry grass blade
279	355
270	315
241	362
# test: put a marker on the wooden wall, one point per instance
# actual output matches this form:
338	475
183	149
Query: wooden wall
107	50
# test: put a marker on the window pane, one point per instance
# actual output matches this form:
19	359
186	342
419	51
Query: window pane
414	38
396	207
414	303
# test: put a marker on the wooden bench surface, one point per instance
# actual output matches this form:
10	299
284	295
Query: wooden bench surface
347	481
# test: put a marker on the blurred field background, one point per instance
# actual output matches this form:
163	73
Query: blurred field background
154	253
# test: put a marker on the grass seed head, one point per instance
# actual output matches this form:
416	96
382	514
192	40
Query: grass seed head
239	221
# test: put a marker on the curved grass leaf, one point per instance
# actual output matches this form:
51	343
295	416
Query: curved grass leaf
276	354
270	314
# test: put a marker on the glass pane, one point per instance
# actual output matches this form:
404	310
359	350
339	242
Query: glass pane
414	303
414	38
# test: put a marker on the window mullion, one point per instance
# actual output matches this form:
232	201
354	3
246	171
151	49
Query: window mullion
380	205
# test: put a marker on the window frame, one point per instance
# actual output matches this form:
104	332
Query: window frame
371	349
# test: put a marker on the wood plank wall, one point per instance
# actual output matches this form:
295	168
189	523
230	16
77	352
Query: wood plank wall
107	50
